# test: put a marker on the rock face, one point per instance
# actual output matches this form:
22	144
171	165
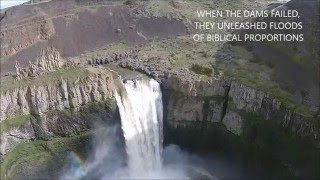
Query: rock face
26	35
233	122
188	101
41	101
251	100
185	109
16	135
197	106
190	98
48	61
242	99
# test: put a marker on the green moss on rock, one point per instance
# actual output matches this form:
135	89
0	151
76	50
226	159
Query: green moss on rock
293	150
178	60
15	122
9	83
39	152
198	69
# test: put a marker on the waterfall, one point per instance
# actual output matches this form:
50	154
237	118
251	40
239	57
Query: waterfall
141	112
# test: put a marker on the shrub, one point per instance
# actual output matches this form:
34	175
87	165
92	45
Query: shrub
198	69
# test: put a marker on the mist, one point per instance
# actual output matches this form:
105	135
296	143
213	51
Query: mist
107	160
135	150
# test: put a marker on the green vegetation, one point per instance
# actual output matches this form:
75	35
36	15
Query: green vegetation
309	64
40	151
9	83
117	48
14	122
253	71
284	145
198	69
178	60
262	143
89	111
262	61
217	98
214	139
177	97
258	76
186	9
109	50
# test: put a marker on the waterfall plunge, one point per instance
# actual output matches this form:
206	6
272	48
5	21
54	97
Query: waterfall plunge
141	111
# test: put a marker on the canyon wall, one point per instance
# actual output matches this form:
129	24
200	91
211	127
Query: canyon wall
50	97
244	122
206	101
226	100
216	99
37	109
61	109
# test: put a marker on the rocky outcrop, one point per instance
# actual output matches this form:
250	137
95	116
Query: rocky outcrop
242	97
9	139
132	54
185	109
49	60
42	101
25	35
252	100
233	122
204	110
194	105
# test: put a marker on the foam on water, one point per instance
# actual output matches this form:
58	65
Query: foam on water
141	111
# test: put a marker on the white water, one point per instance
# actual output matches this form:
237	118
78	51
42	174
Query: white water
141	111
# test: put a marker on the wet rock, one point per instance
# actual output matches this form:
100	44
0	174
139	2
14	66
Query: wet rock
233	122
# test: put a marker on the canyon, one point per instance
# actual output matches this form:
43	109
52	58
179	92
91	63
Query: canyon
69	66
206	103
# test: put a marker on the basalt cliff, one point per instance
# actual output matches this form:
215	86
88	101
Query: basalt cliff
60	67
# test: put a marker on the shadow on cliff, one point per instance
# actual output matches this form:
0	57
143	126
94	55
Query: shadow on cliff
294	66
